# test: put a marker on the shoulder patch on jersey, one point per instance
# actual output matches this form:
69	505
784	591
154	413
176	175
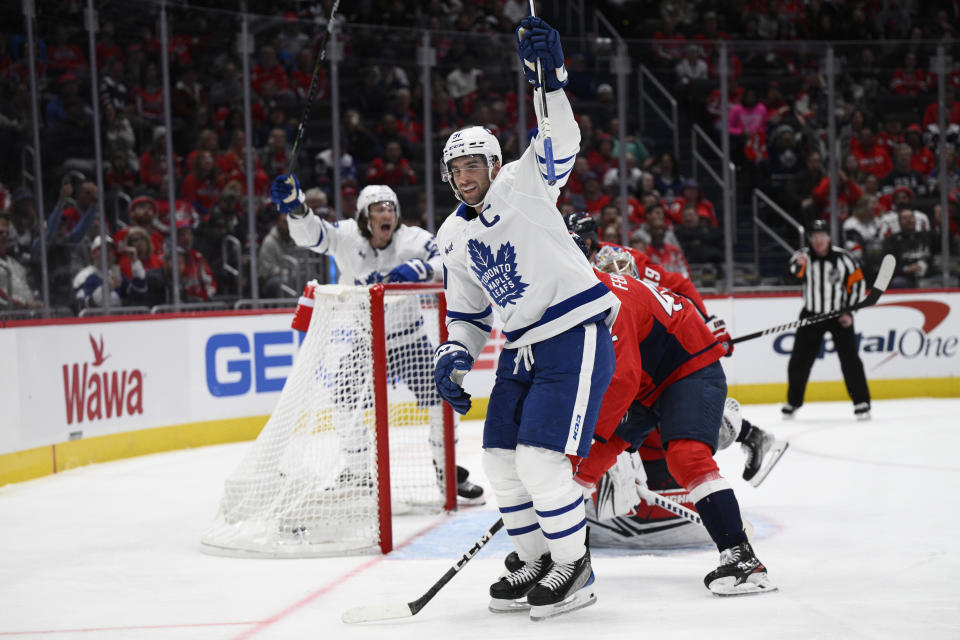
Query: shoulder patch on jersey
498	275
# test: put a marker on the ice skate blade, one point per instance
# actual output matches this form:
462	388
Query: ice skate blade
727	587
582	598
773	457
470	502
863	417
508	606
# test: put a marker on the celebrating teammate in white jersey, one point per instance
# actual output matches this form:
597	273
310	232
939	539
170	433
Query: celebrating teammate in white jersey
507	246
377	248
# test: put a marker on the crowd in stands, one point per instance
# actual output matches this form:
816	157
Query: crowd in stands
886	106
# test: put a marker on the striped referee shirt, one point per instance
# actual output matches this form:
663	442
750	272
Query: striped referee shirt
829	283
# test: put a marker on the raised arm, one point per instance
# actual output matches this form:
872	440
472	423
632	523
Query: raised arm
537	40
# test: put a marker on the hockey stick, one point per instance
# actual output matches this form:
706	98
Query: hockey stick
311	91
652	497
545	125
884	274
375	612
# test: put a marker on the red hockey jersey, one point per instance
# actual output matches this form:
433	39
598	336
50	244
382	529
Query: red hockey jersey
659	338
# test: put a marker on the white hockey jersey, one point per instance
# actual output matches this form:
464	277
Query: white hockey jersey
356	259
517	254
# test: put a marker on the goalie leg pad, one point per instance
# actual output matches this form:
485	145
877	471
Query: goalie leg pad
558	500
516	505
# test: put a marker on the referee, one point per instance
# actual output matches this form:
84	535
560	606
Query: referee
832	279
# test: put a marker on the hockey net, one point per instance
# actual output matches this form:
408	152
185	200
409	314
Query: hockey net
359	433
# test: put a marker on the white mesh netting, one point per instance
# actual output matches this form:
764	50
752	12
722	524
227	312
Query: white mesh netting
308	485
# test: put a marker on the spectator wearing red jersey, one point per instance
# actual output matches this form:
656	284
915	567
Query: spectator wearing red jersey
872	157
202	185
892	134
668	43
107	47
148	95
908	79
848	193
197	283
302	74
64	56
595	199
392	169
668	256
409	125
601	159
153	161
143	212
207	140
120	175
691	195
951	107
268	69
232	162
706	37
921	158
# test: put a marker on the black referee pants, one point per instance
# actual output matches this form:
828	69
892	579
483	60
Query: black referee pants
806	347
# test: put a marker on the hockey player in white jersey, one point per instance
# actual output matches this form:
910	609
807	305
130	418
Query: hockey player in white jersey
374	248
506	246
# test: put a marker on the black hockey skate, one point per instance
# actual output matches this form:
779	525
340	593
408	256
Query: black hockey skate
508	594
763	452
566	587
861	411
467	492
788	410
740	573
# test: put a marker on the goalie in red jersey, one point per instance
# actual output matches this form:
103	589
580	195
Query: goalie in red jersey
668	374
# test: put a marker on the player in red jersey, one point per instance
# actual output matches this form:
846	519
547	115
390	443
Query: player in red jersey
668	373
583	224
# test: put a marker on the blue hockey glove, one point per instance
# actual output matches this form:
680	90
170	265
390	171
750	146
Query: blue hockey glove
415	270
286	194
373	277
450	363
537	39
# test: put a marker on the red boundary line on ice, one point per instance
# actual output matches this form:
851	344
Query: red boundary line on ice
258	625
330	586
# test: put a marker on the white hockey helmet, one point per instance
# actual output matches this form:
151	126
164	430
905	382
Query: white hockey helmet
616	260
372	194
471	141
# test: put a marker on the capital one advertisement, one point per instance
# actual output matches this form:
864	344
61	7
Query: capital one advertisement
66	381
905	335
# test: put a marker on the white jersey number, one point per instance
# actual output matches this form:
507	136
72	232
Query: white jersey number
665	298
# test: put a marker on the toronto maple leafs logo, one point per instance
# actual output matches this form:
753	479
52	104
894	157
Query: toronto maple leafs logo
498	275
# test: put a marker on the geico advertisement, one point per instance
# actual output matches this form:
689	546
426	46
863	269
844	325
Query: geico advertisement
905	335
240	363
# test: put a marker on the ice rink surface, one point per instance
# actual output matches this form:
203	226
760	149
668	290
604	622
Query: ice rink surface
858	526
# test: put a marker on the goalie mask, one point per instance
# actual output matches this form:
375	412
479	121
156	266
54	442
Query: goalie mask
370	195
616	260
472	141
